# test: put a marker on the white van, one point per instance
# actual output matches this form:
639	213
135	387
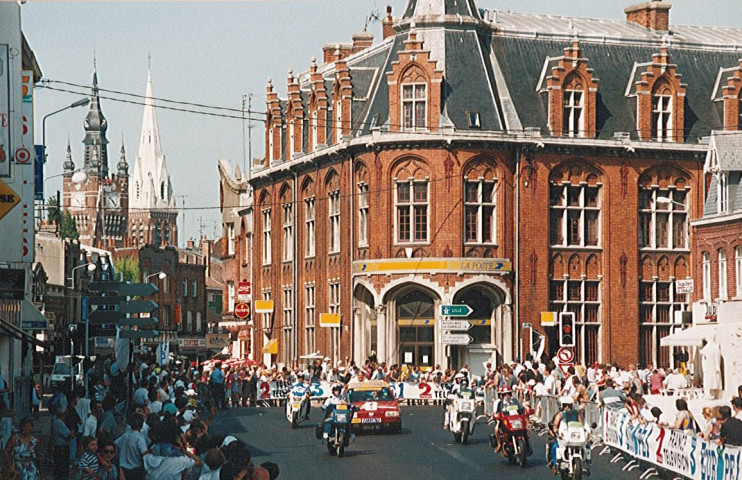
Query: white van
60	376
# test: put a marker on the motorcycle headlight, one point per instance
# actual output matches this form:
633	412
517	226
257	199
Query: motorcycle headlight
391	413
516	424
577	436
466	406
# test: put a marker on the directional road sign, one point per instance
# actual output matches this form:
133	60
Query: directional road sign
137	322
133	334
8	199
124	289
456	338
110	300
454	325
138	306
456	310
102	317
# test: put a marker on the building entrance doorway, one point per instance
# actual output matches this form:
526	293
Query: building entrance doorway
416	324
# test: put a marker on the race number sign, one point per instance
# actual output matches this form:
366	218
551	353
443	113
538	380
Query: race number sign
672	450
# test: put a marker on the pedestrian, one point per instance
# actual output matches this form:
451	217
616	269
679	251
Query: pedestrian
90	425
36	398
131	446
74	423
4	389
108	428
20	452
730	432
61	436
88	465
216	384
107	468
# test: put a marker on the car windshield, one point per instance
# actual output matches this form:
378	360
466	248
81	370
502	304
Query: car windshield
61	369
380	395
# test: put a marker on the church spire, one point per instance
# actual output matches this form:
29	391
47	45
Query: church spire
95	141
123	167
69	165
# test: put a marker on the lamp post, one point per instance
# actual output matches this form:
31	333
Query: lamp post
80	103
78	176
91	266
161	275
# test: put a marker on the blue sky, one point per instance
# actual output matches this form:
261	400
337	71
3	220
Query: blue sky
213	53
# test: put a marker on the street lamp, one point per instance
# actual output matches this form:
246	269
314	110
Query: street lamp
80	103
91	268
161	275
78	176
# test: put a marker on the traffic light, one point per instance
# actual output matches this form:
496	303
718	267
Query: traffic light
566	329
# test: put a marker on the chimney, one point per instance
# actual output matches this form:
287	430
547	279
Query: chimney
189	245
654	14
362	40
387	23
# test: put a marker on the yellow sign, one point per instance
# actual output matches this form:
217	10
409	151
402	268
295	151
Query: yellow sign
419	265
329	319
8	199
548	319
271	347
263	306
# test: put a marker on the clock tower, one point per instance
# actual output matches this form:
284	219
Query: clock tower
100	205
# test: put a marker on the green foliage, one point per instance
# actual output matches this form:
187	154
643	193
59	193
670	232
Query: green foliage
129	266
67	224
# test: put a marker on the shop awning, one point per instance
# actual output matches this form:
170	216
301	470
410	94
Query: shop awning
32	318
690	337
16	332
271	347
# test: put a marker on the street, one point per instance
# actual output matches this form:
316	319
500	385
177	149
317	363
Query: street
423	451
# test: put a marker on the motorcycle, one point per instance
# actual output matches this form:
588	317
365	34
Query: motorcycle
462	419
297	408
340	435
513	433
573	452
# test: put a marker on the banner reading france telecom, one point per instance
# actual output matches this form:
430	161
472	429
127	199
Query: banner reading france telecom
672	450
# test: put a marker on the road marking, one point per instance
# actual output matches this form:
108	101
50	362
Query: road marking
457	456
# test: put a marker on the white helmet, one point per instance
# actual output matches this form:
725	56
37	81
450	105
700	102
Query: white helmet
566	400
458	376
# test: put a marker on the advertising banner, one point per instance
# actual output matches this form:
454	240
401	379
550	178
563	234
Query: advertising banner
402	390
674	450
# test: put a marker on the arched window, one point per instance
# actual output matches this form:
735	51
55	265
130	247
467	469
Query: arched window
662	109
573	119
162	190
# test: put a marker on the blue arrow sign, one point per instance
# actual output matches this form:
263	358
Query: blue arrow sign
456	310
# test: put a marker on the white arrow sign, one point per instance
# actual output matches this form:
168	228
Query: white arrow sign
456	338
455	325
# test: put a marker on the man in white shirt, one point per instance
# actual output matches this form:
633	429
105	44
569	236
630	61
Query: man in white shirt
675	381
169	468
90	426
550	382
132	445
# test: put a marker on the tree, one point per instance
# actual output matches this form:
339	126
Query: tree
129	267
66	223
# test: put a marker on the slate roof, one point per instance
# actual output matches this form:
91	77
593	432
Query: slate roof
728	147
492	64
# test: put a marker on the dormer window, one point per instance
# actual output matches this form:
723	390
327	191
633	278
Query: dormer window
474	121
662	103
414	106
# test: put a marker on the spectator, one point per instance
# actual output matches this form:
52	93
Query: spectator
74	423
107	468
20	452
90	426
610	394
272	469
61	437
108	429
730	432
132	445
684	419
88	464
737	407
656	381
711	416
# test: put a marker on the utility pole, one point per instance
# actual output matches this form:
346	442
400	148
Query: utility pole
244	162
249	135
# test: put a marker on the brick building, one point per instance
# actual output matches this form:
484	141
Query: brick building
718	250
516	163
235	199
181	298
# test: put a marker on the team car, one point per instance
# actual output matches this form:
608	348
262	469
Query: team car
378	409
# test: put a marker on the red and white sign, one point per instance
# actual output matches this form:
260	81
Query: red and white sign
242	310
564	367
22	155
565	355
244	292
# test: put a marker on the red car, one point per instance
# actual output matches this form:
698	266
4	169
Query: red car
378	409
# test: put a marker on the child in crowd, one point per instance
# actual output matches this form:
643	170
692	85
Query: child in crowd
89	462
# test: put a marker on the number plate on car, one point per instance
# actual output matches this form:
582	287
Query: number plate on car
370	420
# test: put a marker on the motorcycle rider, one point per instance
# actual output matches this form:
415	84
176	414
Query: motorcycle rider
451	394
301	388
562	417
464	390
502	404
327	407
